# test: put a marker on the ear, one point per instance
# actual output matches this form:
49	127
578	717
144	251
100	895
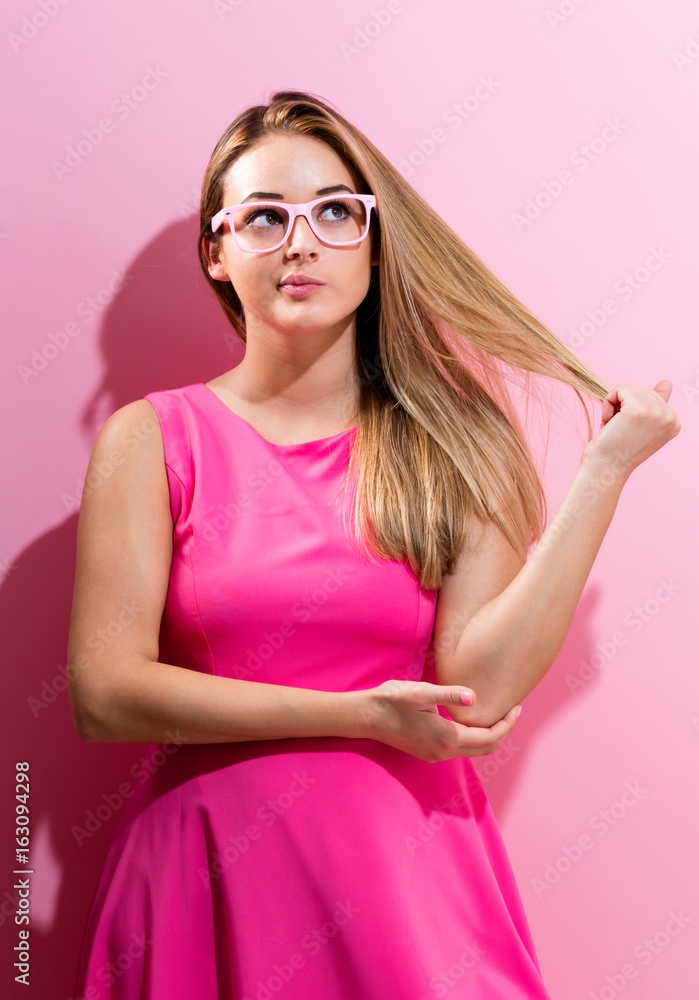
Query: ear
214	267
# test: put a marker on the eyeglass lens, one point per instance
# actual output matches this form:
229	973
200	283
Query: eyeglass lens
336	220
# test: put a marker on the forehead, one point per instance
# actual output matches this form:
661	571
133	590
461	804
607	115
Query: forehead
290	165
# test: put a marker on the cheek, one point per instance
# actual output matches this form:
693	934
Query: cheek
248	283
355	273
361	278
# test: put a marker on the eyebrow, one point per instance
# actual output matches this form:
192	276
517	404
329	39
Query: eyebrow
265	195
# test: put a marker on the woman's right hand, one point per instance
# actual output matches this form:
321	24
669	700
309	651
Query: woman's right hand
404	715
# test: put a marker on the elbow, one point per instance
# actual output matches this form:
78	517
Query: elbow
86	724
490	704
96	696
89	731
87	718
481	716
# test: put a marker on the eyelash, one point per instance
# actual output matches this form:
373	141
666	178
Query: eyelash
345	205
335	201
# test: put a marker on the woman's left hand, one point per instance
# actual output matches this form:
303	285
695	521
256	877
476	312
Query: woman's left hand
635	424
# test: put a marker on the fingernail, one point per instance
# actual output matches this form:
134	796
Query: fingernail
518	712
467	697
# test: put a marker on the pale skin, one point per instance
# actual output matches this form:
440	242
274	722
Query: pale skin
500	620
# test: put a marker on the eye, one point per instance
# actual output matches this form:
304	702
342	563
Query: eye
256	217
339	206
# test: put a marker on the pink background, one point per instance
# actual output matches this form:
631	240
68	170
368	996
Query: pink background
109	245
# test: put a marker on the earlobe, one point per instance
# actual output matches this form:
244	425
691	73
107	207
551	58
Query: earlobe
218	272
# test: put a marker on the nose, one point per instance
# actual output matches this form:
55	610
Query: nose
301	236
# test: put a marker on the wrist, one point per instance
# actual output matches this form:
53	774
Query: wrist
605	472
355	714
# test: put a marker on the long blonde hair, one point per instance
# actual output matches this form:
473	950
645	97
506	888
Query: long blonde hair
439	445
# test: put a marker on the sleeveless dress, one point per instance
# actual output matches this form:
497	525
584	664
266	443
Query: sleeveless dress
328	868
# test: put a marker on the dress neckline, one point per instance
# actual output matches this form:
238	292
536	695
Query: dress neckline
302	444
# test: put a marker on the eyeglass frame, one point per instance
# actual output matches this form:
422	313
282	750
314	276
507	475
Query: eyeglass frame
295	210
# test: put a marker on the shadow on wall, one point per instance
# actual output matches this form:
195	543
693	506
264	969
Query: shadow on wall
164	329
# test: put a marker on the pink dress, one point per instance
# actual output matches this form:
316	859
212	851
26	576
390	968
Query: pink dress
316	868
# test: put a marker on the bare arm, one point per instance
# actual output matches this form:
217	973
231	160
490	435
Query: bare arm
119	692
509	642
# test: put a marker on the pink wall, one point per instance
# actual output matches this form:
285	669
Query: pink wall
483	106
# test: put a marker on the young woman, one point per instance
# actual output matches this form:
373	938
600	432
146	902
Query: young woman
313	572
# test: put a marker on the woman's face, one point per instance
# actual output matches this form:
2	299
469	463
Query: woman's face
297	168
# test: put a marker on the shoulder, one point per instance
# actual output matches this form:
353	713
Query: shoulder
145	420
129	451
126	487
135	423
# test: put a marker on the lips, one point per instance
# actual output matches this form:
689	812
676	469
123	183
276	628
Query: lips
300	291
299	279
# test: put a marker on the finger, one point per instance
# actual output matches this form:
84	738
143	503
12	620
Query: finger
663	388
475	736
425	693
609	405
453	694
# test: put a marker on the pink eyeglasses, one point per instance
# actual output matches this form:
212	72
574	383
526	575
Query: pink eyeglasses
261	226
